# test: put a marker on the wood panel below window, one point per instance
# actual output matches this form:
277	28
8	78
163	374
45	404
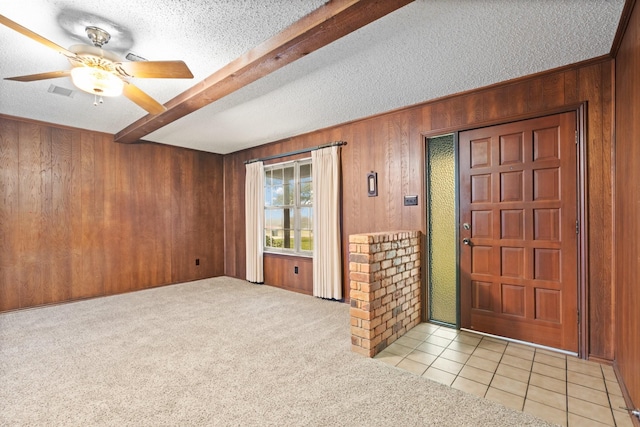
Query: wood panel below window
280	271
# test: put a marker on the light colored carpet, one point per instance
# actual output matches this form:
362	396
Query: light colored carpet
213	352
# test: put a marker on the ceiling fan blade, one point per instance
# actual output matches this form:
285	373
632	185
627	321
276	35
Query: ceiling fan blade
136	95
37	37
40	76
156	69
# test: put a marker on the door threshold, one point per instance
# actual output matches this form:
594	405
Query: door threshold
530	344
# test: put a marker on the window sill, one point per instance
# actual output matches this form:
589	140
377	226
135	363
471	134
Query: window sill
289	254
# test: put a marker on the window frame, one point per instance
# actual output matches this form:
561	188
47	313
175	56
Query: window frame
296	207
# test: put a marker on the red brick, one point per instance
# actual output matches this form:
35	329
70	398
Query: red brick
360	314
370	268
367	344
374	286
360	238
362	333
386	334
360	277
360	258
359	295
375	322
362	351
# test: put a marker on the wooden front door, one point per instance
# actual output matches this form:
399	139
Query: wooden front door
518	222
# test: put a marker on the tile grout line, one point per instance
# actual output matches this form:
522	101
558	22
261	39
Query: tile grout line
495	372
566	391
450	341
606	388
524	402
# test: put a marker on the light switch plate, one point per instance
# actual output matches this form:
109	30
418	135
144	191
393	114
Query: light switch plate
411	200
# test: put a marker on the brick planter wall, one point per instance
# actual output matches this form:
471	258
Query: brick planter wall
384	273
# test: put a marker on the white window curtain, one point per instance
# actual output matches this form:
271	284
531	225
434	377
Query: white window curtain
254	220
327	265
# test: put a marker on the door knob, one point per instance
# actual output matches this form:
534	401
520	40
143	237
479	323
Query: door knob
466	241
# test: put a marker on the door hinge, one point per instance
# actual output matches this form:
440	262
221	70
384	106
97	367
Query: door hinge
577	227
578	316
576	137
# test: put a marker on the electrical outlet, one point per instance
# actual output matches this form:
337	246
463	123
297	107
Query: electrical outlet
295	269
197	261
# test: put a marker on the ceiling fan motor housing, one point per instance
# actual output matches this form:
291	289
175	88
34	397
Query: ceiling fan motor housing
98	36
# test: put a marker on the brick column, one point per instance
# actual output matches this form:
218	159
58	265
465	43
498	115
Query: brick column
384	273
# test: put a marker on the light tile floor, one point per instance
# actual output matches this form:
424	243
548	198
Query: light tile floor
555	387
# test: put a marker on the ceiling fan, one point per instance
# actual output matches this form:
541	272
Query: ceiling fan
103	73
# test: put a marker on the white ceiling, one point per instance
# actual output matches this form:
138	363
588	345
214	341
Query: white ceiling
425	50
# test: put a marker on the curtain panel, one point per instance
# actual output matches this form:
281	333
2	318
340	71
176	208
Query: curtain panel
327	265
254	221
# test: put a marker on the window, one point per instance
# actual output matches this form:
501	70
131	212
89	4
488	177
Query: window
288	208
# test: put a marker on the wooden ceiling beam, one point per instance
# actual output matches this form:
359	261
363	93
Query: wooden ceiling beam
326	24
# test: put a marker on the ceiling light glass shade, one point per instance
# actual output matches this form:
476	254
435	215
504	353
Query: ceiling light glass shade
97	81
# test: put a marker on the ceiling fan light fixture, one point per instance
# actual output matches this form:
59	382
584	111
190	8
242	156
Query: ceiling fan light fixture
96	81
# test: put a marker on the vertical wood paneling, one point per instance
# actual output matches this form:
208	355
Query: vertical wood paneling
9	215
110	215
398	132
553	90
46	221
91	283
151	219
518	98
413	216
627	207
535	95
30	208
496	103
82	216
209	218
599	208
474	111
125	215
279	271
571	87
60	225
182	205
234	234
75	214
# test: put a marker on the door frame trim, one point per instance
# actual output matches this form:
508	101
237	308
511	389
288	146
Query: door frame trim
583	241
581	203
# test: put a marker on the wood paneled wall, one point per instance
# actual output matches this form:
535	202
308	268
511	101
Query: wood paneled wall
82	216
392	144
627	207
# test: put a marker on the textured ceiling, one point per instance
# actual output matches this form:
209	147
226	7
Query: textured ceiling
427	49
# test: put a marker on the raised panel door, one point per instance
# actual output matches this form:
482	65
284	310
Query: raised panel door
519	265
